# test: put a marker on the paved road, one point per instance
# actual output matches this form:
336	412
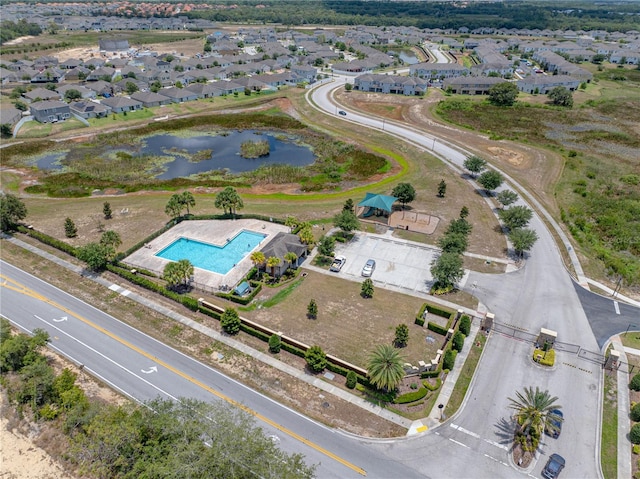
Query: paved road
143	368
539	295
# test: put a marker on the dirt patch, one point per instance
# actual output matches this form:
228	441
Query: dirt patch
521	458
515	158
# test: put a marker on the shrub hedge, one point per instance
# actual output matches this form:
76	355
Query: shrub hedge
634	434
49	240
445	313
420	317
257	287
635	412
635	383
431	374
430	386
436	328
411	397
465	325
449	359
547	358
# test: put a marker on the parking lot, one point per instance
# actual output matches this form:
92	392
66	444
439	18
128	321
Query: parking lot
400	264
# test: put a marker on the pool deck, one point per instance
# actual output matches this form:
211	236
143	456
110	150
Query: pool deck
209	231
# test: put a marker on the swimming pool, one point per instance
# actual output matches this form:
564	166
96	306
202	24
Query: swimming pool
211	257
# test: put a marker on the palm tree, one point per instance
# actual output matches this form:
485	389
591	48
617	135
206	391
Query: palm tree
258	259
272	262
385	367
533	411
291	257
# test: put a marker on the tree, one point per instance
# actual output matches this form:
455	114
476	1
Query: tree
634	434
503	94
449	359
634	384
110	239
507	197
21	105
275	343
272	262
156	86
533	412
522	239
177	273
453	243
96	255
72	94
561	96
458	341
187	200
106	210
312	309
442	188
257	258
316	359
366	291
352	380
490	180
465	325
464	213
230	321
173	207
306	235
348	205
348	86
475	165
326	245
6	130
402	335
461	226
516	216
405	192
12	210
290	257
346	220
70	230
229	200
385	367
447	270
130	87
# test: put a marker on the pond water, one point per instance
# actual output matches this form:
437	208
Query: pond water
225	153
407	56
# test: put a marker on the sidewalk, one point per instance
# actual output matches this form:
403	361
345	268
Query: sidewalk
413	427
624	446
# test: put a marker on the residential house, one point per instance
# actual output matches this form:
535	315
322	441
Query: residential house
10	115
305	72
401	85
206	90
50	111
113	45
470	85
543	84
49	75
251	83
70	64
101	87
150	99
101	73
38	94
281	244
89	109
178	95
121	104
438	71
85	93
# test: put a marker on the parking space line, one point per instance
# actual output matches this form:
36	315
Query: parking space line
616	307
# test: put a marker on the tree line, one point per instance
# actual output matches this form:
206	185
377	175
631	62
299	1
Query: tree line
10	30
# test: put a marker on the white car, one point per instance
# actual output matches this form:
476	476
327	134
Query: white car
368	268
338	263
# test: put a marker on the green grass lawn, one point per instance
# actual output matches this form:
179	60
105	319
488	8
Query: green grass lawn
466	375
609	438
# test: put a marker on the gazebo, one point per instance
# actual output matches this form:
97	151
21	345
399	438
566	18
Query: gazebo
377	203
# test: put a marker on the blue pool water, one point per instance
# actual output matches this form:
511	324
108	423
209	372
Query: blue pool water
210	257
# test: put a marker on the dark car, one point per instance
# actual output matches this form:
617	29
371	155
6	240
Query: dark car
343	113
555	419
553	467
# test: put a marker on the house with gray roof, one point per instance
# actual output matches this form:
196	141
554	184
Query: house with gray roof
178	95
401	85
281	244
50	111
42	94
89	109
543	84
150	99
206	90
436	71
470	85
85	93
121	104
10	115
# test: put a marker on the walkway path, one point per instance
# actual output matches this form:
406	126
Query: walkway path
413	427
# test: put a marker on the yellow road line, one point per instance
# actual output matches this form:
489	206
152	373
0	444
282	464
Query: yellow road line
20	288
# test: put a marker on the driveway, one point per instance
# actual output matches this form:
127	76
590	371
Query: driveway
399	263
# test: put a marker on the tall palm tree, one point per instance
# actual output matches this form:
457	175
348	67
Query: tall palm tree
385	367
272	262
533	411
291	257
257	258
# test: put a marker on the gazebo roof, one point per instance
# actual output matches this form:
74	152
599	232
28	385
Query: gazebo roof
382	202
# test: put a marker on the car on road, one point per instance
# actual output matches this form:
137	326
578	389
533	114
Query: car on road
368	268
342	112
338	263
556	421
554	466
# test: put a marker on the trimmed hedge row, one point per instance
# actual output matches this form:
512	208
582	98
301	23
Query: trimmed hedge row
51	241
411	397
148	239
445	313
187	301
420	318
436	328
244	300
431	387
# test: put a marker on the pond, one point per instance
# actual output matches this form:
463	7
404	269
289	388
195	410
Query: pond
221	152
407	56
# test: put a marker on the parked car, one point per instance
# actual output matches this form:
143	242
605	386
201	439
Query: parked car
343	113
557	423
554	466
368	268
338	263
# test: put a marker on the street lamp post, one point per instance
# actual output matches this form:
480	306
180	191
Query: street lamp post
628	327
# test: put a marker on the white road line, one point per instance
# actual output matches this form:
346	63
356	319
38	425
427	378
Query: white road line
497	460
459	443
114	287
617	308
472	434
493	443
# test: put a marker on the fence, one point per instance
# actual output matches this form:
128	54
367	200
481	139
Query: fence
514	332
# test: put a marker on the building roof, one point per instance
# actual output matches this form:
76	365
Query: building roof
382	202
283	243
